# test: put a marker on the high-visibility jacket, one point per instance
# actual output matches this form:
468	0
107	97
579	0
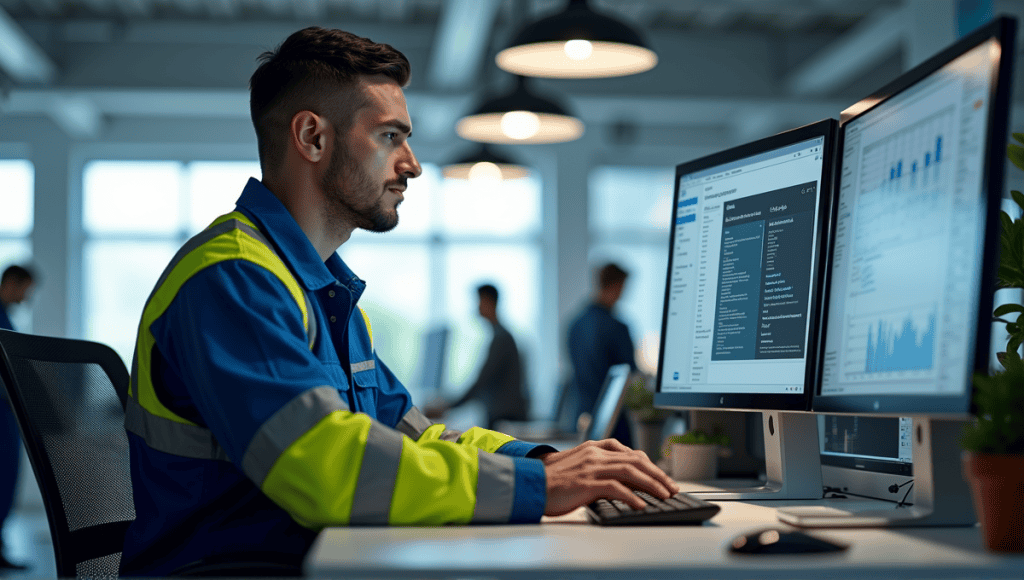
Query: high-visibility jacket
259	413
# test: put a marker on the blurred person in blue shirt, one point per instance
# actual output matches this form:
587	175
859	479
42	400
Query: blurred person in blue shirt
598	340
16	285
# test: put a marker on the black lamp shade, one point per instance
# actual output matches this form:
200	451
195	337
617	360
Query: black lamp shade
520	117
484	162
598	46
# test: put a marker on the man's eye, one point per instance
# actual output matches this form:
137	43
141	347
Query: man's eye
391	136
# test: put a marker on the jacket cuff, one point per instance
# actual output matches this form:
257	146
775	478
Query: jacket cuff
518	448
530	495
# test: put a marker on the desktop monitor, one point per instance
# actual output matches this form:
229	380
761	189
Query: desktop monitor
913	262
609	404
431	366
740	319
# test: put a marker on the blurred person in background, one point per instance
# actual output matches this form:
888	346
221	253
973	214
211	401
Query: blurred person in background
16	285
499	385
598	340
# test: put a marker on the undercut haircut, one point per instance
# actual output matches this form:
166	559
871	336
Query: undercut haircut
314	70
611	274
17	275
488	291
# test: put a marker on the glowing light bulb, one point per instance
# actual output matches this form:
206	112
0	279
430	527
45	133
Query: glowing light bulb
520	124
484	171
578	49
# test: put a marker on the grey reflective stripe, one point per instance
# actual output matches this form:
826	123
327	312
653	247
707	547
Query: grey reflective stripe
451	435
363	366
311	316
371	501
414	423
495	488
286	425
179	439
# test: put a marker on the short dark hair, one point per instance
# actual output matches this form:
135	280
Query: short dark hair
610	274
17	274
488	291
309	65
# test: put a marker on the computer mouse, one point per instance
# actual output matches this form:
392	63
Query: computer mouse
782	541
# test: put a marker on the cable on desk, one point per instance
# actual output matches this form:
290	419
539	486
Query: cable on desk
902	502
826	490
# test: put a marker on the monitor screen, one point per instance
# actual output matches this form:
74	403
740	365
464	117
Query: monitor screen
915	233
741	304
866	443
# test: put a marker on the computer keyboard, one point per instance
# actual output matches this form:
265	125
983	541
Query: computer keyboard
681	508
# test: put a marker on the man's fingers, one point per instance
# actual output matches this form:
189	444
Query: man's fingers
612	489
636	478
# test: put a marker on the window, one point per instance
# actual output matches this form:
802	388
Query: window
631	210
17	177
136	215
451	237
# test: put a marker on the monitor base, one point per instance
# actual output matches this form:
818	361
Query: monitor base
941	496
792	461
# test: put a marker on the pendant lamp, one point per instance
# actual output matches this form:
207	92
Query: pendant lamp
520	117
484	164
577	43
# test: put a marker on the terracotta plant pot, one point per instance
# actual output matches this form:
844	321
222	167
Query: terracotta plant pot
692	462
997	484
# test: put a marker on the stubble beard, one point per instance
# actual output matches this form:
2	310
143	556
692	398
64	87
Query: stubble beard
354	184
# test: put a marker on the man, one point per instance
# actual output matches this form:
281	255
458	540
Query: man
15	287
259	412
597	341
500	382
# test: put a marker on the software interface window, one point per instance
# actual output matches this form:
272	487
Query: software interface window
739	301
903	271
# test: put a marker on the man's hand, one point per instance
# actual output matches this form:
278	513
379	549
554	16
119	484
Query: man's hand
599	469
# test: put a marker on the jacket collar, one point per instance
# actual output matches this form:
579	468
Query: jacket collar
298	253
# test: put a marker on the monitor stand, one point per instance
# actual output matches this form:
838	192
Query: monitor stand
941	496
791	458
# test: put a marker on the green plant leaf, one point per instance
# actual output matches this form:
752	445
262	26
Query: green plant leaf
1016	155
1008	308
1019	137
1016	195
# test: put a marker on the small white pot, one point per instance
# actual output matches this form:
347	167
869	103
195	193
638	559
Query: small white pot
694	462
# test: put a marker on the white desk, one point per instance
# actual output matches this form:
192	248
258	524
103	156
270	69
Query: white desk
569	547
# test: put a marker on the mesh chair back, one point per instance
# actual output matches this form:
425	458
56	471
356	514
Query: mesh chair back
68	398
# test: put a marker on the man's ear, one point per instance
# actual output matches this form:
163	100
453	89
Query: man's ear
309	133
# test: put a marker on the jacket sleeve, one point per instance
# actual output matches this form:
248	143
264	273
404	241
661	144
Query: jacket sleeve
235	337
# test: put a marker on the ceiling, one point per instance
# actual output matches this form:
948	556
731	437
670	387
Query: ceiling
729	69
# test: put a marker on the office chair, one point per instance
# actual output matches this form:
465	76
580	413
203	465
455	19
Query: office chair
65	394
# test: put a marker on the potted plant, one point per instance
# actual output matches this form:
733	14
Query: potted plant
646	422
693	456
994	442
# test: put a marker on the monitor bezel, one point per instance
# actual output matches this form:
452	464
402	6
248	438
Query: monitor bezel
1003	31
826	129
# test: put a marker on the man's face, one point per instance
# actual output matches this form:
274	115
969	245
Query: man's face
18	292
371	161
488	307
